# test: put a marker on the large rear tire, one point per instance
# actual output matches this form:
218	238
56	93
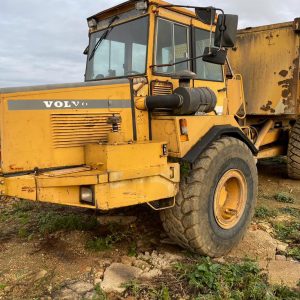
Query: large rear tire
216	201
293	161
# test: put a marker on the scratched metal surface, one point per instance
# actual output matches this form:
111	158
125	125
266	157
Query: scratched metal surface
268	59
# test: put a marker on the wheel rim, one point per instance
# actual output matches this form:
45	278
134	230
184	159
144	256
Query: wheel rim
230	199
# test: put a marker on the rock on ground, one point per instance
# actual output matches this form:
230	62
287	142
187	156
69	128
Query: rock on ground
257	244
74	291
117	275
284	272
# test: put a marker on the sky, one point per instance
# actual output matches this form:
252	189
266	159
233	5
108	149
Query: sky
42	42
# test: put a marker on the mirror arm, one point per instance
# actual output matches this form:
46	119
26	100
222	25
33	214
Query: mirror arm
178	62
183	61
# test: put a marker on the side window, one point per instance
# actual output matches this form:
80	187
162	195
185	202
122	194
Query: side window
204	70
171	46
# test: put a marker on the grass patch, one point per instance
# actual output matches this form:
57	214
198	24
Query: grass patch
287	231
100	294
132	251
205	279
30	219
52	222
143	291
284	198
263	212
294	252
294	212
114	235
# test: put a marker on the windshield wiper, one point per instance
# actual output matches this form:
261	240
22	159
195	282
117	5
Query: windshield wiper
103	37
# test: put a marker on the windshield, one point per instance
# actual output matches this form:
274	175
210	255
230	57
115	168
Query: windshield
122	52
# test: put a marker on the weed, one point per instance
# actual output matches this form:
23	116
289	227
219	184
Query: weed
137	289
132	251
288	231
100	294
263	212
290	211
99	244
283	292
23	233
284	198
23	206
107	242
52	222
294	252
209	280
2	286
203	279
133	287
161	293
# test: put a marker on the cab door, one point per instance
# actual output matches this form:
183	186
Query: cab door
208	74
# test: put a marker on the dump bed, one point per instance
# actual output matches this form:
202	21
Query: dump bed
268	59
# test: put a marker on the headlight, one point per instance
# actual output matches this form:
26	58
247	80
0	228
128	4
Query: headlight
87	194
141	5
92	23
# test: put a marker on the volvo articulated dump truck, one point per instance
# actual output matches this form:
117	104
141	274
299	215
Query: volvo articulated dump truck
161	119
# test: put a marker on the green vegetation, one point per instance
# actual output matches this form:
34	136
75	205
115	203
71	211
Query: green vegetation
294	252
143	291
51	222
30	218
263	212
2	286
113	236
100	294
284	198
287	231
132	251
205	279
294	212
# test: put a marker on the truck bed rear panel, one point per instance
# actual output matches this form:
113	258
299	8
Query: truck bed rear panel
268	59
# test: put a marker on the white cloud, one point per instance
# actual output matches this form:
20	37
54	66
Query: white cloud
42	41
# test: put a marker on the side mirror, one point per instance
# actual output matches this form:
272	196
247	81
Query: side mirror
226	31
86	50
215	56
207	15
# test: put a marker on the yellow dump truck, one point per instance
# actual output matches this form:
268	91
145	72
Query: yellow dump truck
160	119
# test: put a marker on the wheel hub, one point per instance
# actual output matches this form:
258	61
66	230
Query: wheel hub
230	199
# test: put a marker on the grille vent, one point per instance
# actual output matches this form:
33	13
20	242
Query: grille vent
161	88
75	130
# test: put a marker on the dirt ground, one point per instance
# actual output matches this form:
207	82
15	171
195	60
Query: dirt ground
53	252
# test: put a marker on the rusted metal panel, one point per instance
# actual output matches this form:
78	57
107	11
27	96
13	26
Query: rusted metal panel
268	59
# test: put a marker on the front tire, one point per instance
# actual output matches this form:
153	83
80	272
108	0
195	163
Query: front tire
216	202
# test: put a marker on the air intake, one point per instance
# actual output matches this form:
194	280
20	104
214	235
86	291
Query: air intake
75	130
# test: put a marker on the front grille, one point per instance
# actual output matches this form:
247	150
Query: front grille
161	88
75	130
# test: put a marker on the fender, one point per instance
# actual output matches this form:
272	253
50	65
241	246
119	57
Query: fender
213	134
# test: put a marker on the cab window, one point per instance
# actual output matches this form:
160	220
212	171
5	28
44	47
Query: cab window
205	70
171	46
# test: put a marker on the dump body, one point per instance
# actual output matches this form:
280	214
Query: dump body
268	59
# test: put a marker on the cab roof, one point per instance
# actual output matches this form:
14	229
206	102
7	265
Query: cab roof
131	4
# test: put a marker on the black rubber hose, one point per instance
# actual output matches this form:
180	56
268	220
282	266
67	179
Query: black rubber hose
169	102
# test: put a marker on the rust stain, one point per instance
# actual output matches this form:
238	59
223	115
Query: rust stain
283	73
268	107
288	87
15	168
